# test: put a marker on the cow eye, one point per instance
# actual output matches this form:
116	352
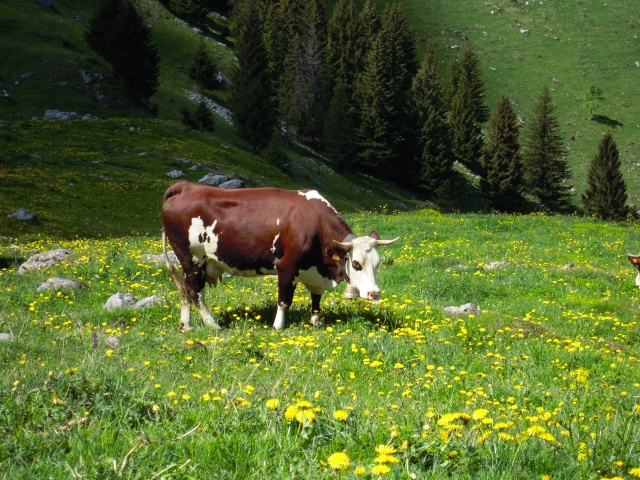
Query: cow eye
356	265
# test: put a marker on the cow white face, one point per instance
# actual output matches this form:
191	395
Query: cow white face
362	263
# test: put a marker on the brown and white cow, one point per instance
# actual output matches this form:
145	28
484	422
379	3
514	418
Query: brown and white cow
297	235
635	261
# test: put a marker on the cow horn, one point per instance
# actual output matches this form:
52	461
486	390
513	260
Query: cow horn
387	242
348	245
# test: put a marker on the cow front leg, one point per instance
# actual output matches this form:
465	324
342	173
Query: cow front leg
316	320
207	318
185	313
286	288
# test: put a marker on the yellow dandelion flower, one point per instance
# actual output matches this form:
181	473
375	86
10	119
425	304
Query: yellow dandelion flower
339	461
304	404
340	415
359	471
635	472
273	403
480	413
385	450
385	458
380	470
290	413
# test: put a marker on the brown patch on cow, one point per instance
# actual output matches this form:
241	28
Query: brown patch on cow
634	259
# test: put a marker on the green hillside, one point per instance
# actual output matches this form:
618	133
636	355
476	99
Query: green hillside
46	64
570	44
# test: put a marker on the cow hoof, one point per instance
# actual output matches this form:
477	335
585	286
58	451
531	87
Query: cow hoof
316	321
185	329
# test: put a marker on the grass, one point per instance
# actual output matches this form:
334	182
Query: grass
545	381
106	177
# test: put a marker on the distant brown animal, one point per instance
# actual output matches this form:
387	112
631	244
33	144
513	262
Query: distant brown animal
296	235
635	260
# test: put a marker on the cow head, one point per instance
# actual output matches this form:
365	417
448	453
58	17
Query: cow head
361	264
635	261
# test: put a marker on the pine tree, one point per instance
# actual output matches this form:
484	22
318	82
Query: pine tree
190	10
187	119
204	117
204	70
467	69
436	158
276	153
306	101
339	130
502	183
370	26
118	33
466	135
546	168
252	99
342	45
606	194
383	94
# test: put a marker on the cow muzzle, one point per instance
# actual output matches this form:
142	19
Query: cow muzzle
352	292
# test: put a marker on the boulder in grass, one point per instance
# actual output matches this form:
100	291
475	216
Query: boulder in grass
6	337
232	184
57	283
44	260
149	302
120	300
22	214
466	309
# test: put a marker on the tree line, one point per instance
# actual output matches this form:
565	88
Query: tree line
351	86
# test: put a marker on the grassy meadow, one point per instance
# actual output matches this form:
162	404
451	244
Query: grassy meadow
543	384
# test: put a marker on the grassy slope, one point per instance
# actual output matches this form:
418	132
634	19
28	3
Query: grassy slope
549	370
578	43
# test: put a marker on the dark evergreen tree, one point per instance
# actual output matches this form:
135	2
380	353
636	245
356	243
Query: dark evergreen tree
190	10
204	70
343	45
339	130
606	194
118	33
306	101
466	135
545	158
188	120
384	98
252	99
204	117
436	159
370	25
467	68
276	153
502	183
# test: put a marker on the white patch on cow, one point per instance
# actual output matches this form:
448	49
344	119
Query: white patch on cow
314	195
278	222
314	281
208	248
273	245
638	280
280	320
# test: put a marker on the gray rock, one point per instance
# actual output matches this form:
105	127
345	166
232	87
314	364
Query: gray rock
213	180
186	161
57	283
232	184
112	341
120	300
149	302
44	260
176	174
22	214
159	259
496	265
466	309
6	337
59	115
89	116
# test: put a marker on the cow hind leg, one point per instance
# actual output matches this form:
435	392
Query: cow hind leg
286	288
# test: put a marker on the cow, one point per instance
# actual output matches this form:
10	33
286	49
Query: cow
294	234
635	261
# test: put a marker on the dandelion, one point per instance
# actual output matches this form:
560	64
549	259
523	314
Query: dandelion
635	472
385	450
479	414
359	471
338	461
380	470
273	403
302	411
340	415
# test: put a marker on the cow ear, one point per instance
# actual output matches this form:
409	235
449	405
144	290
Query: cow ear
375	235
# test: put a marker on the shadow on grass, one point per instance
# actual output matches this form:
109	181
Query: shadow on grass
353	311
603	119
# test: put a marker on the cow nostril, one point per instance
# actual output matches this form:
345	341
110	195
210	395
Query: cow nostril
373	295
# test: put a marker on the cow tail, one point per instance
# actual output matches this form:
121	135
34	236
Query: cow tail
173	271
